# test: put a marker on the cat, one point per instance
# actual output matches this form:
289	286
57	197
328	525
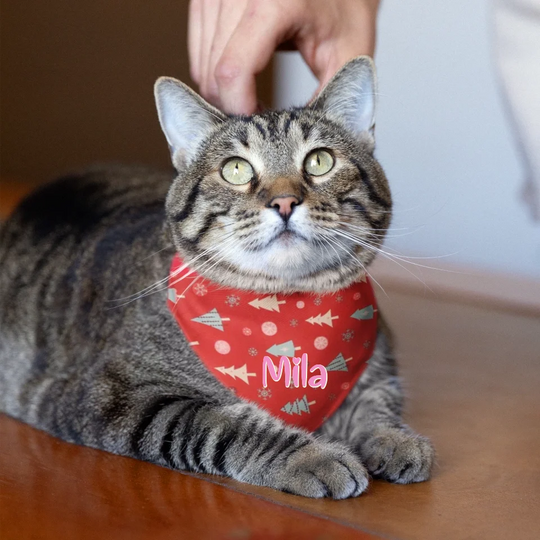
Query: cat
89	351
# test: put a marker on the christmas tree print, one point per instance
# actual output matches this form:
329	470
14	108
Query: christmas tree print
298	406
240	373
363	314
270	303
173	296
213	319
283	349
321	319
339	363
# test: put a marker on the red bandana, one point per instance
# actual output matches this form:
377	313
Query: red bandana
233	331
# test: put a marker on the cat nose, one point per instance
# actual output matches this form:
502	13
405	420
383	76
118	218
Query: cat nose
284	205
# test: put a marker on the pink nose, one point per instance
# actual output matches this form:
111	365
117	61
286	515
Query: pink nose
284	205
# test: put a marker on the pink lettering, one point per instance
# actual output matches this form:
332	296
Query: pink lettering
268	367
321	380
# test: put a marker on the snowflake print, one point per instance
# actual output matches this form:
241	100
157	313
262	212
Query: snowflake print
332	397
367	344
348	335
199	289
264	393
294	322
317	301
252	351
232	300
357	296
339	298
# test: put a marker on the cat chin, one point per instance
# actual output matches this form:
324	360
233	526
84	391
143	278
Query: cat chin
323	281
293	257
281	274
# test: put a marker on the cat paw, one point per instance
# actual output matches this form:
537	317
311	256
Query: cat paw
322	469
397	455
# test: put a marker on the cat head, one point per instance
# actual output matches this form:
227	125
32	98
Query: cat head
278	201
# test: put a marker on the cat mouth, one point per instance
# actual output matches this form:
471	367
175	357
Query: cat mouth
285	238
288	237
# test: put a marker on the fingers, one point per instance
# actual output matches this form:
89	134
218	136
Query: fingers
248	51
230	14
334	41
210	17
194	39
231	41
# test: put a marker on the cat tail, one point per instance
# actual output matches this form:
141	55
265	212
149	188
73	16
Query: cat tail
245	443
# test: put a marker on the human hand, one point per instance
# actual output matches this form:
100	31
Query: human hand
230	41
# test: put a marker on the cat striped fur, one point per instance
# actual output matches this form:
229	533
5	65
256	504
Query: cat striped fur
89	351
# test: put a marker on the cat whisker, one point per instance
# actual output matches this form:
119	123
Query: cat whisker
330	244
231	249
364	268
389	256
168	246
368	230
406	258
224	249
162	288
162	284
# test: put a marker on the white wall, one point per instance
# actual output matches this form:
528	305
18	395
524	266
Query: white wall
442	136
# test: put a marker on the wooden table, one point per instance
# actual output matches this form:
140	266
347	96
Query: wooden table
473	379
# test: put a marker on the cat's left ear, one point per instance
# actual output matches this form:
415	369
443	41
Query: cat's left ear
349	97
186	118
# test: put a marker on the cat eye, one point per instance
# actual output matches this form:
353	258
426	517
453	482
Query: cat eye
237	171
318	162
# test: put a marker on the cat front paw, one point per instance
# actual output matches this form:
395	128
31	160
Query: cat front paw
322	469
397	455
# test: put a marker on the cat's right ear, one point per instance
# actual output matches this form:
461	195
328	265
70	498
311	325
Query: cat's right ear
349	97
185	118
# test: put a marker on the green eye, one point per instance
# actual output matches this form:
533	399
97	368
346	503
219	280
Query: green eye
319	162
237	171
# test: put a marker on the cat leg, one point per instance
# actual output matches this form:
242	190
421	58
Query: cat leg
370	421
247	444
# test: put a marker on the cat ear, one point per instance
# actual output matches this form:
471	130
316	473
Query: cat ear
185	118
349	97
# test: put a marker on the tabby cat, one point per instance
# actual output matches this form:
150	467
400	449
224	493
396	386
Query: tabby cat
89	351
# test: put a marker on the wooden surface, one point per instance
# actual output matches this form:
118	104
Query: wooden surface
53	490
473	380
